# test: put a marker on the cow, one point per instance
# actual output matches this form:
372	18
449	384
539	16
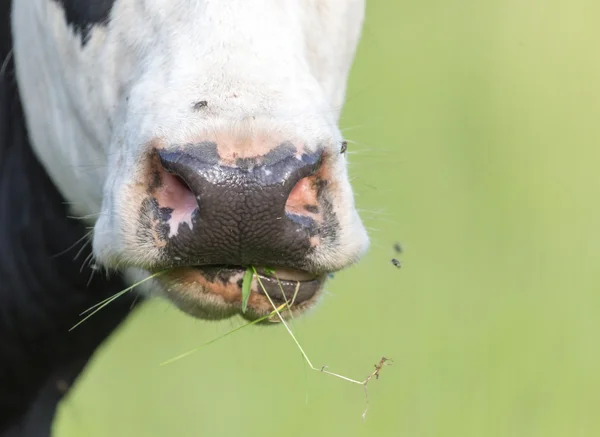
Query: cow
183	141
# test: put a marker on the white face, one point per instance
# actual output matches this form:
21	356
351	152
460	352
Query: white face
199	136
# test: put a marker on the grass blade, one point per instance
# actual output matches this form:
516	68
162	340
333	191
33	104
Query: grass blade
97	307
246	284
253	322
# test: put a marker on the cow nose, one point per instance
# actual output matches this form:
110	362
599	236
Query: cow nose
248	211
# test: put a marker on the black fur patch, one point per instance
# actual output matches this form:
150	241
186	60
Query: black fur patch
42	293
153	222
82	15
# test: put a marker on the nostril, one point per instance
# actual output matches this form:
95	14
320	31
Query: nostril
178	184
188	169
303	197
176	191
174	194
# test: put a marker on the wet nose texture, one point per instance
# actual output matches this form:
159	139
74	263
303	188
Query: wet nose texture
241	216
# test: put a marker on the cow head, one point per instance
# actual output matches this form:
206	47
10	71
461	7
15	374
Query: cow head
199	137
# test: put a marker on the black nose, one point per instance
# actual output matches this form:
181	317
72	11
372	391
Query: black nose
241	216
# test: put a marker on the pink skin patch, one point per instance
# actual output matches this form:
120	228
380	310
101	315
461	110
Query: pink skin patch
175	194
302	195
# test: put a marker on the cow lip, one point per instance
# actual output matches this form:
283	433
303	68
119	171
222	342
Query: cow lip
282	285
280	273
215	291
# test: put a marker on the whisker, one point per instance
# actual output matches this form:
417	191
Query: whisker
87	235
89	281
358	178
373	212
135	299
81	250
83	217
87	261
6	62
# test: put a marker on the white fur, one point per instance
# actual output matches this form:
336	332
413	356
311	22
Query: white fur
92	111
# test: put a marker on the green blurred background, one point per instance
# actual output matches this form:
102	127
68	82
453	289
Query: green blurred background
476	129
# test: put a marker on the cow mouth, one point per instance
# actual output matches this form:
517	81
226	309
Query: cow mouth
281	284
195	288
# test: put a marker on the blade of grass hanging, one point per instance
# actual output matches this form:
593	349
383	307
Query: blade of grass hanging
247	282
253	322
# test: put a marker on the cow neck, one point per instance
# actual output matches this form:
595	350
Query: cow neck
44	286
